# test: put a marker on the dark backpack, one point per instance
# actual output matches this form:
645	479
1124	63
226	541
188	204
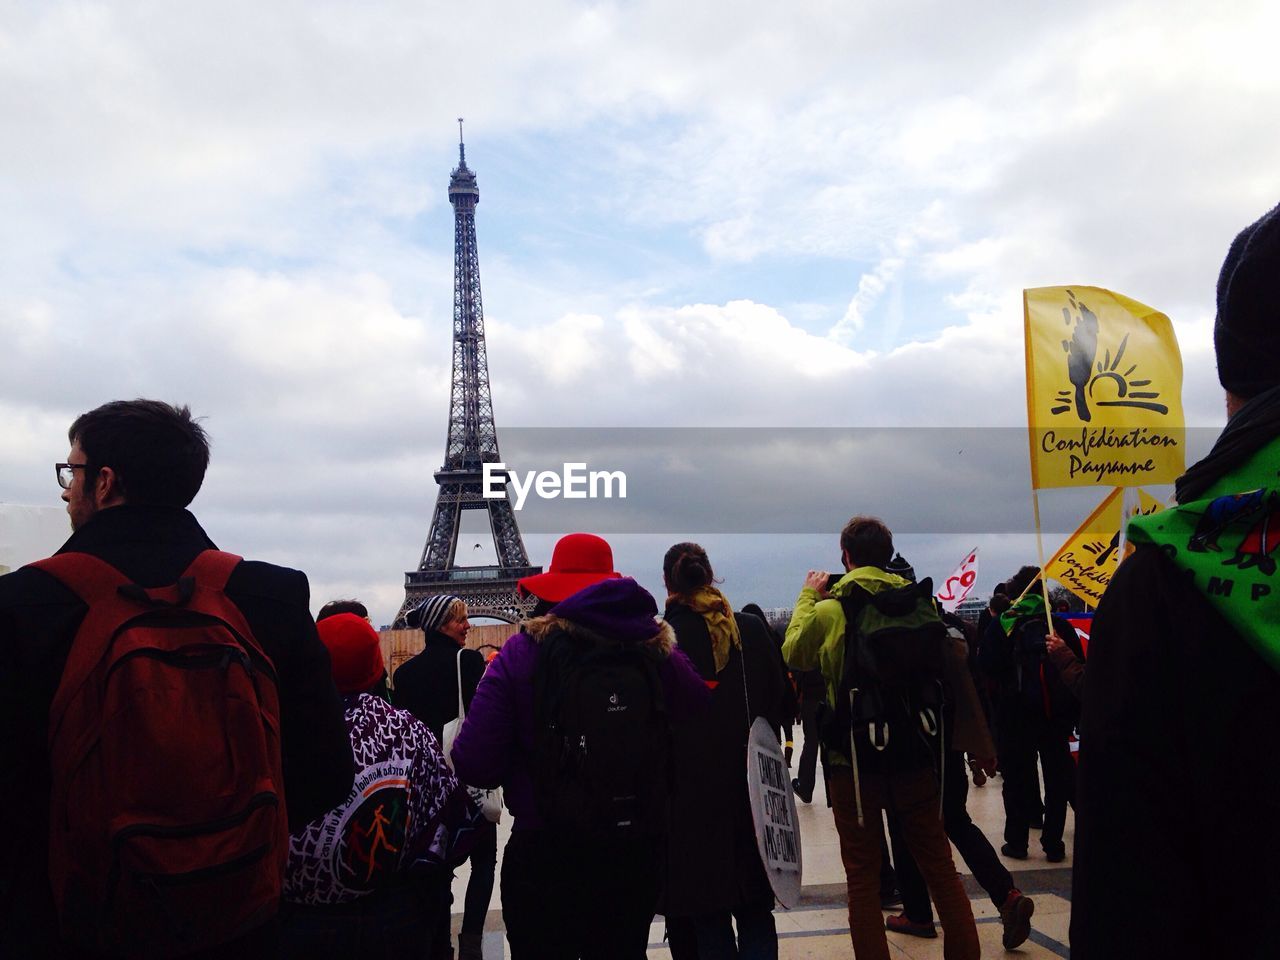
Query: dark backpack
889	710
168	823
1038	685
602	740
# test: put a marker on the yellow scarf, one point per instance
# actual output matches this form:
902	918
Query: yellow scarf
711	605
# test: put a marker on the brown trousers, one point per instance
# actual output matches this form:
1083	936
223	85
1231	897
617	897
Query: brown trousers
914	797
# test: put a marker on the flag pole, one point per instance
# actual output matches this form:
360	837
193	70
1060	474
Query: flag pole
1044	582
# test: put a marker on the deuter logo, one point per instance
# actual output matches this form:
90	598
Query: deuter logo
614	705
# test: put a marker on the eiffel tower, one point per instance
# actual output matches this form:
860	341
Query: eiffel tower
489	591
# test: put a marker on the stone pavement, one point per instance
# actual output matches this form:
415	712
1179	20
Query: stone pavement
818	928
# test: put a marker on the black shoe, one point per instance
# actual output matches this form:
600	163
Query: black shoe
890	898
805	795
1012	852
1055	854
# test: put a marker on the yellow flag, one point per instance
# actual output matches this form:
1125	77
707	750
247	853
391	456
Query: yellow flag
1087	561
1104	390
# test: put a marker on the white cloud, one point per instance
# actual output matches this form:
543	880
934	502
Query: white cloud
241	206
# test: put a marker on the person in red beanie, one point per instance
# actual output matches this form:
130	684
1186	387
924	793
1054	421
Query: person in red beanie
371	876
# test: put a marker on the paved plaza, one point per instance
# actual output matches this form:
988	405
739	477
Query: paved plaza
819	927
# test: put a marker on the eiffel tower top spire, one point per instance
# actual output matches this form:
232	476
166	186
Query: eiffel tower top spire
462	184
472	442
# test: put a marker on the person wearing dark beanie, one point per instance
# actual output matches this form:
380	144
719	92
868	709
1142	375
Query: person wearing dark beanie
1246	333
1184	677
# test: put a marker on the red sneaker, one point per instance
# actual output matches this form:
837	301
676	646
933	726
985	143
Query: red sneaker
1015	917
899	923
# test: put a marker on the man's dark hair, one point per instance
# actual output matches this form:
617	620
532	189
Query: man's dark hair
334	607
158	452
867	541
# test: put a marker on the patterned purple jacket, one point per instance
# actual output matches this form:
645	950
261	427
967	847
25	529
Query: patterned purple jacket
495	743
390	818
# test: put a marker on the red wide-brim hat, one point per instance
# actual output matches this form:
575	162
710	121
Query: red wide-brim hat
578	561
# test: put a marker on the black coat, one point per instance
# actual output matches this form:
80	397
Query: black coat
427	685
1031	692
38	621
1178	797
713	862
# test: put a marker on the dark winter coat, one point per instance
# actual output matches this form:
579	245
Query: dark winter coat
1178	797
427	685
1030	690
1178	800
713	861
38	621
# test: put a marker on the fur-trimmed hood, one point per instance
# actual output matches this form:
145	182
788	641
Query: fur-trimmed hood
540	627
617	610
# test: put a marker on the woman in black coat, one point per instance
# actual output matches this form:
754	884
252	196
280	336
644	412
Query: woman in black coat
714	874
427	686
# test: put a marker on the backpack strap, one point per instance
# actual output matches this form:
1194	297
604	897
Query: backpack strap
213	568
462	706
97	584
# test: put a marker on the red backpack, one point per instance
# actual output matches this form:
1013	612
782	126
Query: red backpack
168	829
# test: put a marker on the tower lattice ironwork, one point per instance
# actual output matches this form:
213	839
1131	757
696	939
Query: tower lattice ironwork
473	441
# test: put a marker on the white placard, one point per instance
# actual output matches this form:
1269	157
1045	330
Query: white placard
773	810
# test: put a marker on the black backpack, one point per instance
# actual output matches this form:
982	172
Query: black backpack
890	705
601	740
1039	687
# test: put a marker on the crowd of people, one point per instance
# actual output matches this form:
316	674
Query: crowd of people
192	766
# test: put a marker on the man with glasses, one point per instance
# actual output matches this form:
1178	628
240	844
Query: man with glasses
133	468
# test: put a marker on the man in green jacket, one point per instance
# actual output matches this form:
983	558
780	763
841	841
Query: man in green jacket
816	639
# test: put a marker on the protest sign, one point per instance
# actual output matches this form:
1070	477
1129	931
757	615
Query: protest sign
773	811
1104	390
957	586
1088	560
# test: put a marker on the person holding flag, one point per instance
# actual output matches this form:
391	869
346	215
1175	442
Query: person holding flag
1177	849
1036	715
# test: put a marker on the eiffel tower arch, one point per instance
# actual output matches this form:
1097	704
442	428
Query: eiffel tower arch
490	591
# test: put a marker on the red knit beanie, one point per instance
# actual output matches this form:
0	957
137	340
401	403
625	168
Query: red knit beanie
355	658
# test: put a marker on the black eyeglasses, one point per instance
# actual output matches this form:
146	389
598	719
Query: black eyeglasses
66	473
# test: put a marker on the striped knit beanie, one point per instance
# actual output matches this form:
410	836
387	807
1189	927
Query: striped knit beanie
433	611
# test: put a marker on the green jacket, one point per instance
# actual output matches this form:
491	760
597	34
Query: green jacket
1226	542
815	636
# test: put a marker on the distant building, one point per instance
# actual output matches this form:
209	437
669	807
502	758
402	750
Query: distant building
969	609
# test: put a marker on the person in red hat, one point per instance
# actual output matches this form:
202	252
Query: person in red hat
586	885
577	561
371	876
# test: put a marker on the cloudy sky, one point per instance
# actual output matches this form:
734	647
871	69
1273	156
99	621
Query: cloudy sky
692	215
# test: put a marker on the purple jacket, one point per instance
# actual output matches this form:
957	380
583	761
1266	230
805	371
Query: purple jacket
495	745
